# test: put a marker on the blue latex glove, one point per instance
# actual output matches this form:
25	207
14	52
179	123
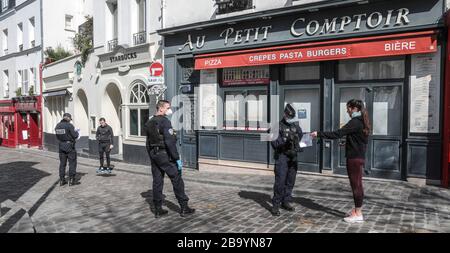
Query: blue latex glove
180	166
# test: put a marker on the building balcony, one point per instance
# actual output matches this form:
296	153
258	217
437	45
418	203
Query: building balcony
112	44
20	47
6	93
140	38
229	6
33	43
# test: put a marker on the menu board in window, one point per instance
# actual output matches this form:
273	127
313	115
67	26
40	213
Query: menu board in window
246	76
425	92
208	98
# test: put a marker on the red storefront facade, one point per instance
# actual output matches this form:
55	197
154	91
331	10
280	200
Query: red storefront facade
20	122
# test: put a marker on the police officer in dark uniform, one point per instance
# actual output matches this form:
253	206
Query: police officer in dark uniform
67	136
161	147
286	147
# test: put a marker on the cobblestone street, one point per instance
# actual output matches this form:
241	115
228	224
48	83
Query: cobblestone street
32	201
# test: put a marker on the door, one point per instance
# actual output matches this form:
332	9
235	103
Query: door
23	128
384	104
306	101
34	129
188	136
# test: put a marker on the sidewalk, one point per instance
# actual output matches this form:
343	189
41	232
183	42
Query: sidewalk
224	202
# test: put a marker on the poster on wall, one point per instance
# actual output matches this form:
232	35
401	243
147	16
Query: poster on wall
303	115
381	114
208	98
425	83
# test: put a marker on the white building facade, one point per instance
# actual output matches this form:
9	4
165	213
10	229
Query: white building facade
113	83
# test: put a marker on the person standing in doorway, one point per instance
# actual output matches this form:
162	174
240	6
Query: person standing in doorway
356	131
105	138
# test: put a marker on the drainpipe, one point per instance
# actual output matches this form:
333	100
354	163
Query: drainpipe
446	133
41	66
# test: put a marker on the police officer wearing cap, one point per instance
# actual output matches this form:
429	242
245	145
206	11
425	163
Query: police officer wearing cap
67	136
161	147
286	146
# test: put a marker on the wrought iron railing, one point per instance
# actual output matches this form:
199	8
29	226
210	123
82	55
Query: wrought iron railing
140	38
229	6
112	44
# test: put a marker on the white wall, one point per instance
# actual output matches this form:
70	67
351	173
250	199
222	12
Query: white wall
54	15
182	12
16	60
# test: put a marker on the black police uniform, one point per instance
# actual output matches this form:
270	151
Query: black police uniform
161	147
105	138
66	135
286	147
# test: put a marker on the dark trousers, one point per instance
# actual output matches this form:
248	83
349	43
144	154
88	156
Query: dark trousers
104	148
285	176
63	157
162	165
354	171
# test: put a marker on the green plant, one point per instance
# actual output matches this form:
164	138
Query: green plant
19	92
31	91
83	40
58	53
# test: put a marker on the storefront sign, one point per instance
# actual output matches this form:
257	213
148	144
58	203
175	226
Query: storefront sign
328	23
246	76
303	53
124	57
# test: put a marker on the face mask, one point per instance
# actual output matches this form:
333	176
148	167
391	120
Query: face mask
169	112
291	121
356	114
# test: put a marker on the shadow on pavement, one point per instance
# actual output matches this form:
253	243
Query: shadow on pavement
148	196
264	200
17	178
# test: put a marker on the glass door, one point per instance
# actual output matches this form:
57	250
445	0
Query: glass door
306	101
384	104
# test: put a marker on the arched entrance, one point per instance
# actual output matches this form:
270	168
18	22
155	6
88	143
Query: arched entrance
111	111
81	110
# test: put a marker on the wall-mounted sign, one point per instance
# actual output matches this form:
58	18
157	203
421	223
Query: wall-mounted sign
354	19
156	74
416	43
246	76
123	56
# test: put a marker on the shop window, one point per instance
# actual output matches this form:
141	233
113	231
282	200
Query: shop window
246	76
302	71
245	110
139	109
93	123
356	70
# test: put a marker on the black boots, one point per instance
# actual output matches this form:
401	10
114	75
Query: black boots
62	182
287	206
275	211
72	181
160	212
186	210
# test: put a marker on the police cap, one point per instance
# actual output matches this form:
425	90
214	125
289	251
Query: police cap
289	111
67	115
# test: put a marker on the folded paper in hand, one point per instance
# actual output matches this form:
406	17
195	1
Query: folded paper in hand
306	141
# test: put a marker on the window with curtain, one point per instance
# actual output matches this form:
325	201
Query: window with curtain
138	109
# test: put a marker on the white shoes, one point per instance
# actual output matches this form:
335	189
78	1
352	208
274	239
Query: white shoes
354	219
